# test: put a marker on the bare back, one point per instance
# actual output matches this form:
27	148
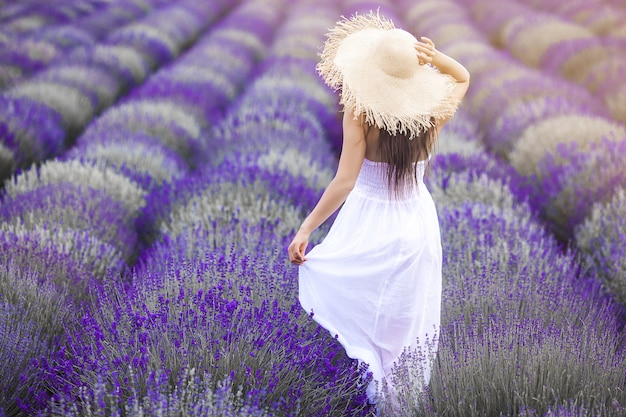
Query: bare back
371	147
372	141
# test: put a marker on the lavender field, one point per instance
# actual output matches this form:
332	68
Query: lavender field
156	157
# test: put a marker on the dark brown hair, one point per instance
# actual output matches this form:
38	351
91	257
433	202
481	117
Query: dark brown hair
401	153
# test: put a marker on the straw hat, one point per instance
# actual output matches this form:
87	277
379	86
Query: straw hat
376	67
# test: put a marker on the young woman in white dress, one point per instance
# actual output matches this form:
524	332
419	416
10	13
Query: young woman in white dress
375	280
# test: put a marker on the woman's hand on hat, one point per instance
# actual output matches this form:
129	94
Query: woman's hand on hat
425	50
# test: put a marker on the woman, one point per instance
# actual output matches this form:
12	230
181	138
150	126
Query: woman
375	280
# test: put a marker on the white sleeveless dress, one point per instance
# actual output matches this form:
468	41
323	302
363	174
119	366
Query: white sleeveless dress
375	280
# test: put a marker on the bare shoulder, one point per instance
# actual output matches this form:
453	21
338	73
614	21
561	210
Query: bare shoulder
351	120
353	126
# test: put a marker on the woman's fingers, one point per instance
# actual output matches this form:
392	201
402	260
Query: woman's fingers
424	53
425	50
428	41
296	254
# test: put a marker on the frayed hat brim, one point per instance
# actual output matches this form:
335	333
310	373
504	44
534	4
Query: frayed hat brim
399	104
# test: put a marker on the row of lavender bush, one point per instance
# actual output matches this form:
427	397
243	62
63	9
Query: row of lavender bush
220	302
45	113
207	322
563	137
517	309
71	221
33	48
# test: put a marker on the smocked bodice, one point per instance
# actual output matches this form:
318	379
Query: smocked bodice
372	180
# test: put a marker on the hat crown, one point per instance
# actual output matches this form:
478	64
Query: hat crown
395	54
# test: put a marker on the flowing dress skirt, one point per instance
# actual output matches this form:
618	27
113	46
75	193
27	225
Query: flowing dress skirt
375	280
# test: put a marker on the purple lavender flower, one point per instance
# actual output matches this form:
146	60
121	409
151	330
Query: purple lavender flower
20	341
192	395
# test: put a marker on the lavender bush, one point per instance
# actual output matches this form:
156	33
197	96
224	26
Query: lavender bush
80	90
53	245
24	16
35	292
506	129
542	139
490	18
76	106
519	85
449	173
28	55
569	189
82	174
124	62
217	195
162	35
114	15
211	315
172	125
286	107
141	157
64	38
33	313
64	211
530	36
490	367
565	57
48	255
24	52
601	238
21	340
73	207
30	131
520	327
460	136
98	82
